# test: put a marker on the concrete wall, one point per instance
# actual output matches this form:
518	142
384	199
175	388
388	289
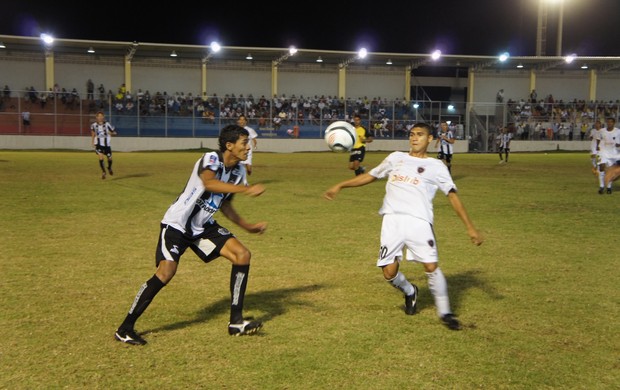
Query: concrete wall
132	144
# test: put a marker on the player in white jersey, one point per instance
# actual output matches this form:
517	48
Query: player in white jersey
407	229
101	132
595	136
243	122
608	153
189	223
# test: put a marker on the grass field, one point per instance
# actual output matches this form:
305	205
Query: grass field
539	299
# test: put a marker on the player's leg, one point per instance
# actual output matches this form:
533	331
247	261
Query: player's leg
611	174
240	257
601	178
507	153
99	153
109	156
390	255
170	247
449	162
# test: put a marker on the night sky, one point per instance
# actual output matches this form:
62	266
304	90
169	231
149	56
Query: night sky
466	27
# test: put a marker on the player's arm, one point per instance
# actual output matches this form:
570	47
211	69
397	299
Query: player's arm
92	137
213	184
357	181
229	211
450	138
368	138
459	208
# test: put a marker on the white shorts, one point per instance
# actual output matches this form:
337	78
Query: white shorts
409	235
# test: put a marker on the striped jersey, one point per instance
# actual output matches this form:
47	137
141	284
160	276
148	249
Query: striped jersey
102	133
411	184
195	206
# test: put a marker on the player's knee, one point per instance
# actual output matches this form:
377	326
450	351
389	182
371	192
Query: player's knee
242	256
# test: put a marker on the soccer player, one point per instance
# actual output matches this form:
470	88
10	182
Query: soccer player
243	122
407	210
101	132
609	154
358	152
503	144
595	136
189	223
445	141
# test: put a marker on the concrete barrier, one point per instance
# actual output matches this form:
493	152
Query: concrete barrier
271	145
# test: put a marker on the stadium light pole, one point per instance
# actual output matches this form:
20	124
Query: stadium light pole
541	30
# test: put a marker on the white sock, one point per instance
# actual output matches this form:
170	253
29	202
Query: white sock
438	286
400	282
601	179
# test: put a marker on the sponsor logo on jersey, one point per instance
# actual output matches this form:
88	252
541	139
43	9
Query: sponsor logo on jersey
223	231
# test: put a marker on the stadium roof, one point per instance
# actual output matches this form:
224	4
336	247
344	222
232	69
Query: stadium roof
17	44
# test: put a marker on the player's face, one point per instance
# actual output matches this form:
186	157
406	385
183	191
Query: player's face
419	139
357	121
240	149
611	124
242	121
444	127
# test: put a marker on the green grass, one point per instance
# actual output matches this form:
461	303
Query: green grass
539	299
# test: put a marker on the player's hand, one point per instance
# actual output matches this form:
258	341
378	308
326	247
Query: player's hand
259	228
331	193
255	190
476	237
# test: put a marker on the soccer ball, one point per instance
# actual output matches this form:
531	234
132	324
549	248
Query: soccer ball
340	136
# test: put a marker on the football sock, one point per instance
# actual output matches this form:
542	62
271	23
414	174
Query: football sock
601	179
438	286
400	282
101	165
143	299
359	171
238	284
109	164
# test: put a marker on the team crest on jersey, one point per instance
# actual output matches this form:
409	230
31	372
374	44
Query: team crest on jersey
223	231
420	169
431	243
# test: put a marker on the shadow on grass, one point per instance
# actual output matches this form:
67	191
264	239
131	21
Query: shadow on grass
273	302
458	284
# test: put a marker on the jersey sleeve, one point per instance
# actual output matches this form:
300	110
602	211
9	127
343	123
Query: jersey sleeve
383	169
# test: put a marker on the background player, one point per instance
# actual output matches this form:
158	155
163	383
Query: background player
101	132
358	152
445	141
243	122
412	181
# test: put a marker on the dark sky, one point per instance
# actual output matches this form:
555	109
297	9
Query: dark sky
465	27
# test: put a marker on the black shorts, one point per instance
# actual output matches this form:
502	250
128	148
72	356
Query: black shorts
357	154
444	156
103	150
172	243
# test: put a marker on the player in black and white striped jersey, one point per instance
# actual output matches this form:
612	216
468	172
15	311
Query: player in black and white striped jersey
189	223
101	136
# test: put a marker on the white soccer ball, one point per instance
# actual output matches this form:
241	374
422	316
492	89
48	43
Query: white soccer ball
340	136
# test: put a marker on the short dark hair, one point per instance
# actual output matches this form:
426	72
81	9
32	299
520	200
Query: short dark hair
423	125
230	133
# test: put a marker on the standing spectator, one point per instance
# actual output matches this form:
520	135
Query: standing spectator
358	152
243	122
445	141
499	98
189	223
90	89
101	136
412	180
